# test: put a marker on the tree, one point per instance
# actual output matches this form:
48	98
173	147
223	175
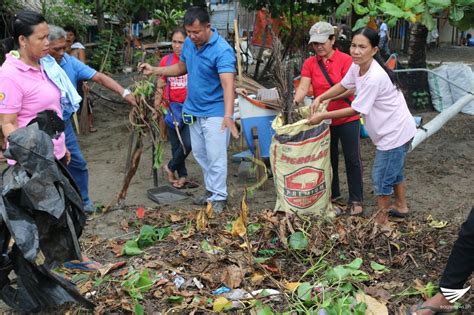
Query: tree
421	14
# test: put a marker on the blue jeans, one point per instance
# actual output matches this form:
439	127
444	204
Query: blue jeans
209	144
78	165
388	169
177	162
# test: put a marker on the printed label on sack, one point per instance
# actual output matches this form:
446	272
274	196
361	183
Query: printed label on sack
304	187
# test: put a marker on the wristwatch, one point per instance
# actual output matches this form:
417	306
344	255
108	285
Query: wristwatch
126	92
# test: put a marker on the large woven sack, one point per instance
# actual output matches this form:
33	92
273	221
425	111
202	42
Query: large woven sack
301	165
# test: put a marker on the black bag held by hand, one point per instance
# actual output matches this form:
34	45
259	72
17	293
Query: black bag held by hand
49	122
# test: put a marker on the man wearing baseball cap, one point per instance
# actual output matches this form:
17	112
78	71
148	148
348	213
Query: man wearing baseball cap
322	71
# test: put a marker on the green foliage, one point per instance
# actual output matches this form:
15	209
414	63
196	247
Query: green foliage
68	12
298	241
169	19
135	284
411	10
148	236
104	56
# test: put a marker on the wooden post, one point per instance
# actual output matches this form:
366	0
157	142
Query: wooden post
237	48
260	171
84	120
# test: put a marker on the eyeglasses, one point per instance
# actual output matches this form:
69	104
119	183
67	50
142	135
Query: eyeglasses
177	42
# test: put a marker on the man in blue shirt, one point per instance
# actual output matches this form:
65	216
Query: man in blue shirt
209	62
76	71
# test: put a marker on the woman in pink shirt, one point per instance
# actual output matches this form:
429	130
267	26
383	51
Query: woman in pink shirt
389	123
25	90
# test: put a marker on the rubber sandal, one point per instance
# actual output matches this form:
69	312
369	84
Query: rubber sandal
340	211
92	129
83	265
186	185
433	310
352	208
397	214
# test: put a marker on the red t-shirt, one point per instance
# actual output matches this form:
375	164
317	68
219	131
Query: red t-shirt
176	87
336	67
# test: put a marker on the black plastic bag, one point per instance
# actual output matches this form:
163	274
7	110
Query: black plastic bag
41	210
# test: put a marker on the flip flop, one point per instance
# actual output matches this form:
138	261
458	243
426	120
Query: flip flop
186	185
433	310
83	265
397	214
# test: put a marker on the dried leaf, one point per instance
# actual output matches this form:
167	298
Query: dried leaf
292	286
220	303
238	228
232	276
257	278
201	220
111	266
374	307
378	293
85	287
175	218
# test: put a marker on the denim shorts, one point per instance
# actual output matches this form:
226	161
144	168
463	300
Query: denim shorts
388	169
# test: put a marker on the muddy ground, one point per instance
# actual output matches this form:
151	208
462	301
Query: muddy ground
440	183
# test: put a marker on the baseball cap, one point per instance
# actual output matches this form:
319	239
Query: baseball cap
320	32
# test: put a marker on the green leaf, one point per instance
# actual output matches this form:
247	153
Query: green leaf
144	282
391	9
266	252
261	260
456	13
355	264
362	22
264	310
378	267
371	5
438	3
464	3
304	291
163	232
391	22
408	4
427	20
344	8
147	236
138	309
175	299
298	241
131	248
360	10
253	228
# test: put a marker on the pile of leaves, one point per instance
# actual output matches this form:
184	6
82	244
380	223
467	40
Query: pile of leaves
265	262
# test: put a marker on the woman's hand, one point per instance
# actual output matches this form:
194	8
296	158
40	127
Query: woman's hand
316	118
315	105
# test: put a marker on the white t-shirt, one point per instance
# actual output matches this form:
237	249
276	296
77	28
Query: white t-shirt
386	116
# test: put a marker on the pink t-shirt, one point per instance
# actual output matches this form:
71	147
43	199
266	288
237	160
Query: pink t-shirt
26	91
383	107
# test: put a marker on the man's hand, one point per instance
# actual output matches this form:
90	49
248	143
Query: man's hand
68	157
145	68
130	98
241	91
229	123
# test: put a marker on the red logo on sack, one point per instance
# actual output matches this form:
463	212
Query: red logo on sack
304	187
